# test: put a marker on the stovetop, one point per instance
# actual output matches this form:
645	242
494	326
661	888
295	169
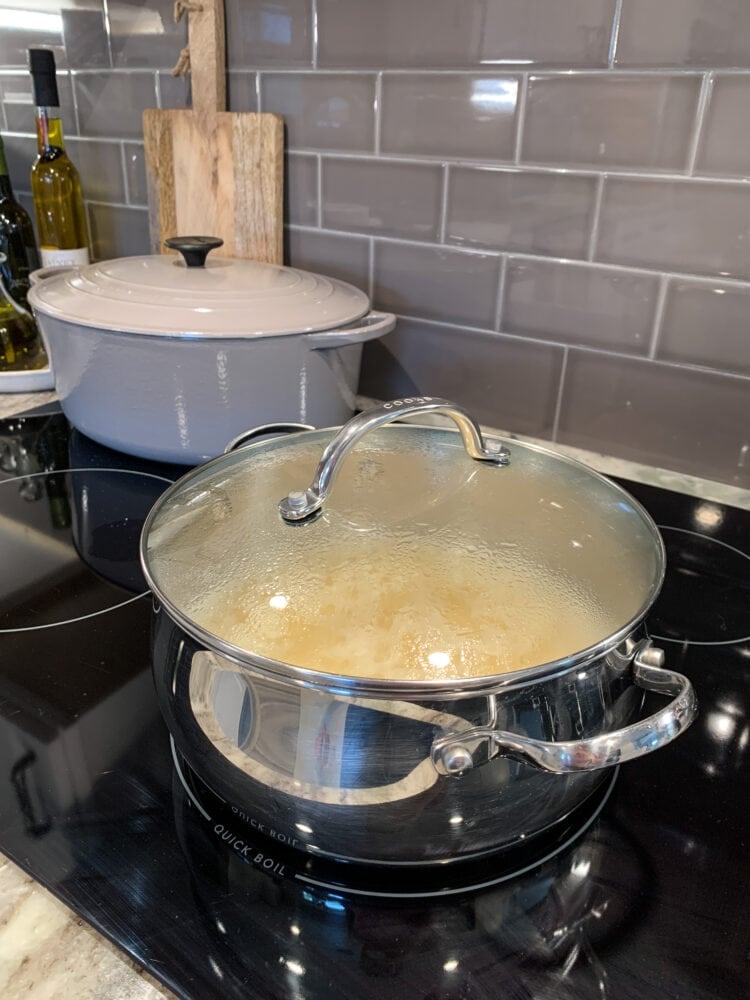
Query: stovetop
646	897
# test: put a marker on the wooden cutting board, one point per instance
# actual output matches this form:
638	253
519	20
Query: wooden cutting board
212	172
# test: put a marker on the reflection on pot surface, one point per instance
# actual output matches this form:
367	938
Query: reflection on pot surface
339	774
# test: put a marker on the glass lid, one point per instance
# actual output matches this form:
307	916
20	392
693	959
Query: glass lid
402	553
200	296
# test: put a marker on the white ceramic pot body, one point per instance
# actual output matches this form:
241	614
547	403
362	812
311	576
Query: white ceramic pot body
182	400
159	357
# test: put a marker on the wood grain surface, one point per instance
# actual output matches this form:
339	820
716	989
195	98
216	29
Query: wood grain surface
212	172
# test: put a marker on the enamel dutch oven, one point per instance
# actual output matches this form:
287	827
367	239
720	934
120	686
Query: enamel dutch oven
402	644
168	357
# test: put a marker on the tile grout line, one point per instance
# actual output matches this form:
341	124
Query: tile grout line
74	95
371	270
560	389
485	166
704	99
501	292
521	113
378	111
314	40
581	348
507	71
595	221
442	229
661	300
124	168
320	190
615	36
511	70
108	31
633	269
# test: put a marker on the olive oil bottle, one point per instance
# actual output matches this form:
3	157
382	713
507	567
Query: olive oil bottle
55	184
17	243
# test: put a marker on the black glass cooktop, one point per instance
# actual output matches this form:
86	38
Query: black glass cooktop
643	894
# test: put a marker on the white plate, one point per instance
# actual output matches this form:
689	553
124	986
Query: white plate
36	380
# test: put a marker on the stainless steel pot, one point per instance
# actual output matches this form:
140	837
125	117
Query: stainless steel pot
403	770
169	358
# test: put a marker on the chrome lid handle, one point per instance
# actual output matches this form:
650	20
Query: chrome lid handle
301	504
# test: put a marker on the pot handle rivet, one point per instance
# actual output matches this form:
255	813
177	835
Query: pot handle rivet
456	759
483	451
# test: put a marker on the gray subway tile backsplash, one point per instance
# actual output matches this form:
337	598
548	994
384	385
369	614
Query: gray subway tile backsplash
585	161
301	189
269	33
118	232
85	37
525	211
174	91
504	383
707	324
111	104
16	39
326	111
135	173
436	283
463	33
677	418
725	142
242	91
459	115
18	102
100	167
579	304
692	226
338	256
684	33
611	121
382	199
143	34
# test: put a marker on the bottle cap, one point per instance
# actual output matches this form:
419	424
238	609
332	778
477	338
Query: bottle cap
42	67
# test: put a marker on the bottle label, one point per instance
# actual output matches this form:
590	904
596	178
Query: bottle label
55	258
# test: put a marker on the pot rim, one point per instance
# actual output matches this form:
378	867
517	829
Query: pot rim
348	685
200	335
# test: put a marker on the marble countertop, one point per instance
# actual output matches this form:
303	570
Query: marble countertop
47	952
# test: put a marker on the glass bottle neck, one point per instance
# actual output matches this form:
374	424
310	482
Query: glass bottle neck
49	130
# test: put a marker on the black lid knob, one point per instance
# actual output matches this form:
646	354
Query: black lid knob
194	249
42	66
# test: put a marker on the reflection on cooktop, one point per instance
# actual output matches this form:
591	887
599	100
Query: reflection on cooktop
712	580
649	900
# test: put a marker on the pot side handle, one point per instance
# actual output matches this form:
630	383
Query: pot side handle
302	504
451	755
369	327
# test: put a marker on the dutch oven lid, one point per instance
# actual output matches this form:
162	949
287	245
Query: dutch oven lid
413	553
195	296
